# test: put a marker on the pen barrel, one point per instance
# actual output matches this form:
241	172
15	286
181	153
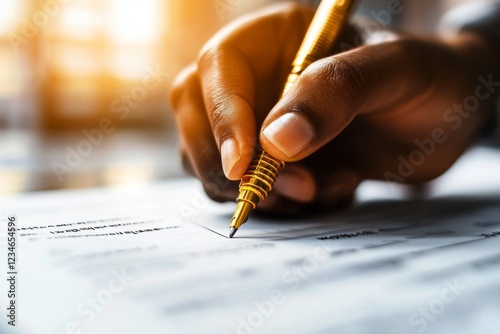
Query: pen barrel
320	37
324	29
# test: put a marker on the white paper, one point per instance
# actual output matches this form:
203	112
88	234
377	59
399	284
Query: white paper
155	259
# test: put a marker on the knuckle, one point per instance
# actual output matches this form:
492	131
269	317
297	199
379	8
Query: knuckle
218	118
210	52
221	113
338	85
342	75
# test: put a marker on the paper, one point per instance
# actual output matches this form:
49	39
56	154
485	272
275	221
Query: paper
156	260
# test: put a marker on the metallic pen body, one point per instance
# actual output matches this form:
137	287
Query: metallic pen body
322	33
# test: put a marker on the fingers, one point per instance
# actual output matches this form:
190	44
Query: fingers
332	91
296	184
241	70
213	100
199	152
228	94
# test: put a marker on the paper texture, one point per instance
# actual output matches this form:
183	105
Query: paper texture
155	259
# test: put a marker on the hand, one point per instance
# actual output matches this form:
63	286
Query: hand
352	116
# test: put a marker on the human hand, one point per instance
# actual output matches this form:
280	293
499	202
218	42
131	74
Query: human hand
349	117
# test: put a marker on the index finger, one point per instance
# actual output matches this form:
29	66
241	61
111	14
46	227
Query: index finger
239	63
228	92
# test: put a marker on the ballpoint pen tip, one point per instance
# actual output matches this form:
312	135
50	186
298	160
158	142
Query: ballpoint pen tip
232	231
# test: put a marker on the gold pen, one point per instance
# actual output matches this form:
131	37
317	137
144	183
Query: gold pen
259	179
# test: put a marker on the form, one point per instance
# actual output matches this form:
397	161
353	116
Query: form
156	259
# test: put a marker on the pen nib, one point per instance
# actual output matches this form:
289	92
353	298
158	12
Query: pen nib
240	217
232	231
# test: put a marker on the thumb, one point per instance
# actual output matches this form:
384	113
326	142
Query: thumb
332	91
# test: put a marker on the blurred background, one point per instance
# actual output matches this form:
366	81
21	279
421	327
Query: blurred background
83	83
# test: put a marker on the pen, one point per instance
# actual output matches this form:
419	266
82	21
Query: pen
260	176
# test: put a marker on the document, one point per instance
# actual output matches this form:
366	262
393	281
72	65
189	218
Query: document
156	259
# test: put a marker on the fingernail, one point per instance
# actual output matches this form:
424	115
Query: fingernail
296	184
290	133
230	155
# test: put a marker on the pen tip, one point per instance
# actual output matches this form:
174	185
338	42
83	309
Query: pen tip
232	231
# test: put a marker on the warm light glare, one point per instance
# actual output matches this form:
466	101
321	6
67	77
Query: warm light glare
128	172
17	180
78	22
10	12
78	61
131	63
134	21
10	73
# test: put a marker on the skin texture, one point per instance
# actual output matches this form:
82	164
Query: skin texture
348	118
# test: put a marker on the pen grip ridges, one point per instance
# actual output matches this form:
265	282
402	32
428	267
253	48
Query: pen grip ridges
261	175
